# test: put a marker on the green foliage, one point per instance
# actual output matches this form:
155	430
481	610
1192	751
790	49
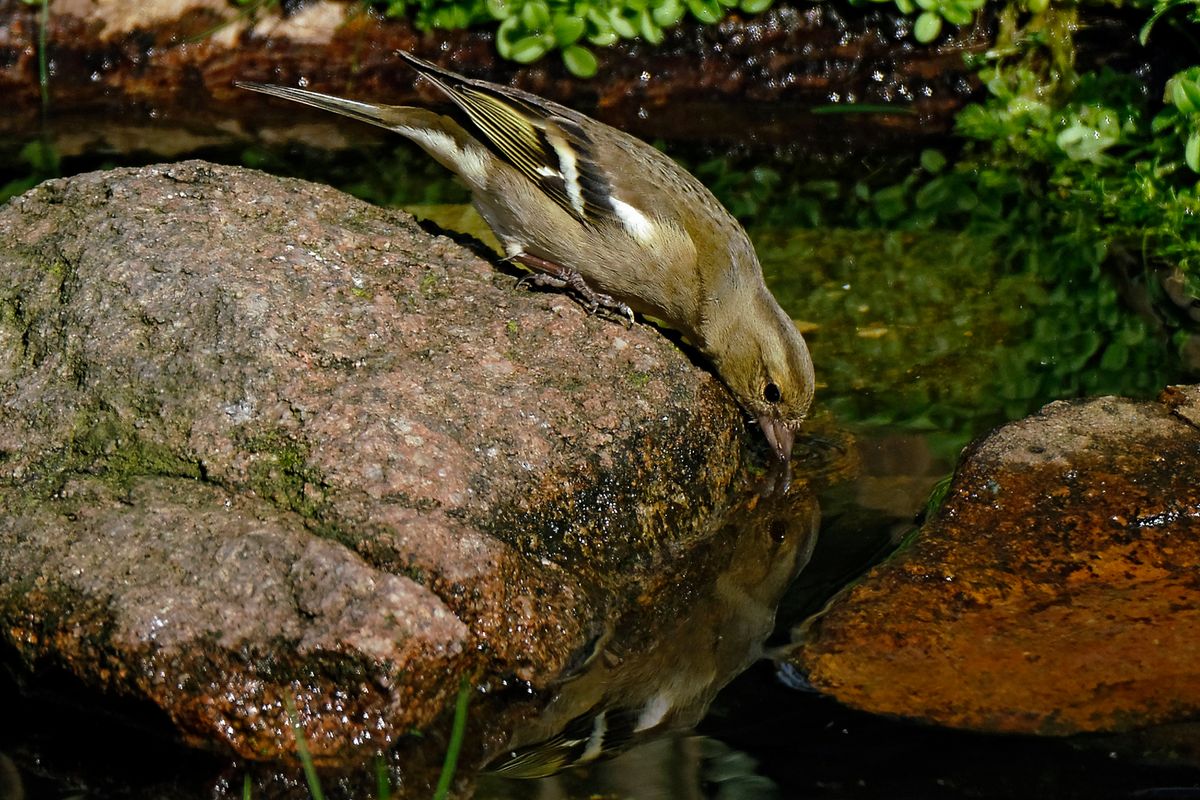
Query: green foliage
1117	164
931	14
1182	118
42	162
527	30
1166	8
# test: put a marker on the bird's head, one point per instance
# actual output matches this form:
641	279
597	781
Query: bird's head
764	361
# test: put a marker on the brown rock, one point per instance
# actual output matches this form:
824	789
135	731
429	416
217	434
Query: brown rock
1056	591
261	441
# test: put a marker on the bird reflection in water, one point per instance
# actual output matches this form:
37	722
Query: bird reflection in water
665	656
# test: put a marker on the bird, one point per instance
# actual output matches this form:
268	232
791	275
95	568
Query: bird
592	209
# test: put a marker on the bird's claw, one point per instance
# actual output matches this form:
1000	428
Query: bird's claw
542	279
592	300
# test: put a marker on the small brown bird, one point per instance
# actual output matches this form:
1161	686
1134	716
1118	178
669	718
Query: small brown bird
590	208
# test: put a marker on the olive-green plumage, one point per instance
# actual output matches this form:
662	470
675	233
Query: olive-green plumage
594	209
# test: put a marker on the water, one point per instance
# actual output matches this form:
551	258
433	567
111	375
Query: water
924	337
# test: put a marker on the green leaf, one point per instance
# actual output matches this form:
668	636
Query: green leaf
1037	6
933	195
890	203
1191	152
1144	33
499	9
507	35
669	13
1191	90
450	18
932	161
707	11
1115	357
966	200
623	27
579	61
568	30
755	6
528	49
905	6
536	15
650	32
603	38
927	27
957	13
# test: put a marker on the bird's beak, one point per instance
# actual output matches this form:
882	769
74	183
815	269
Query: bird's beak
779	436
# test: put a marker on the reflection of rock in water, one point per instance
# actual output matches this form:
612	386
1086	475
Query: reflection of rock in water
661	661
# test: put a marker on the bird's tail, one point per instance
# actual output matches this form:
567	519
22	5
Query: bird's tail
443	78
381	115
440	136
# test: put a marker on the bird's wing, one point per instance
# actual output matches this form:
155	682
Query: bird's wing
540	139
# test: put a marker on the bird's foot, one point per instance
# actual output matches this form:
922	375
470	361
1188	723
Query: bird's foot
542	279
547	273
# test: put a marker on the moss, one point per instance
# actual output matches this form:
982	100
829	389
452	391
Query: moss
110	447
12	317
639	379
429	284
282	474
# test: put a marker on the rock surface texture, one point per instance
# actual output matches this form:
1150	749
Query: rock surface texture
1056	591
262	443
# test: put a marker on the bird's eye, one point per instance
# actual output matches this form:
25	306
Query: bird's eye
771	393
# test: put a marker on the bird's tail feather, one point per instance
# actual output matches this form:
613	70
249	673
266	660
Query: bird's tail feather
383	116
444	78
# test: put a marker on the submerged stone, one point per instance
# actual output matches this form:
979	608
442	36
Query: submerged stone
263	444
1056	591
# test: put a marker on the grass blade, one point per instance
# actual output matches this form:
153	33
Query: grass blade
310	771
456	740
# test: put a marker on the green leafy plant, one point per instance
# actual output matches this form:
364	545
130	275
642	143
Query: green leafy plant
530	29
1182	117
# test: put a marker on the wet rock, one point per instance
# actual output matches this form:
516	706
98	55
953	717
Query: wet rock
1056	591
261	443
